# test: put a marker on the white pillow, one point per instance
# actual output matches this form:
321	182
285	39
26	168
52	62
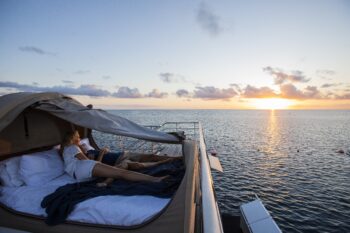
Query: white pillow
40	168
9	172
4	176
85	144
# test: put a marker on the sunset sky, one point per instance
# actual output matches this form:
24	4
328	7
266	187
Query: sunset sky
181	54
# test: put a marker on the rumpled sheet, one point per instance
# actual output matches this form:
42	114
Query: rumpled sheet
111	210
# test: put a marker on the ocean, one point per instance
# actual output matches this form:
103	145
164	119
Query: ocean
288	158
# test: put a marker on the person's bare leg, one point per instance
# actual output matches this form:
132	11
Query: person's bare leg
139	165
103	170
139	157
121	165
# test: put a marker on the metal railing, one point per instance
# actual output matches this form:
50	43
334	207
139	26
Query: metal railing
210	210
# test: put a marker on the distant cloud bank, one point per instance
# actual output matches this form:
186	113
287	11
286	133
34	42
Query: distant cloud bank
208	93
255	92
281	77
155	93
213	93
126	92
288	85
88	90
182	93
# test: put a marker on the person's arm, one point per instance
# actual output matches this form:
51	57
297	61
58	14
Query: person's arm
101	154
82	148
81	155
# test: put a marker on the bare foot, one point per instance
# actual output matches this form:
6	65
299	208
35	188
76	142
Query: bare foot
165	161
108	181
101	184
162	178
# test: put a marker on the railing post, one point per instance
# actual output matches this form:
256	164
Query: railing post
211	219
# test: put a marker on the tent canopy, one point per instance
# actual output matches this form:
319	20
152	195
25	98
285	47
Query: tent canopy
25	116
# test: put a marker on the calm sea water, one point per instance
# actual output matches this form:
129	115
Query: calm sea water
288	158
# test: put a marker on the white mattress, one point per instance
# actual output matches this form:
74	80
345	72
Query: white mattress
112	210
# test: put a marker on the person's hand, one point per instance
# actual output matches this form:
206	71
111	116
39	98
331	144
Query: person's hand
83	147
90	156
105	150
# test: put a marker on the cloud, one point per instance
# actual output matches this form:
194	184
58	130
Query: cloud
155	93
182	93
325	72
35	50
326	85
87	89
81	72
106	77
289	91
90	90
345	96
213	93
167	77
126	92
208	20
236	87
254	92
281	77
21	87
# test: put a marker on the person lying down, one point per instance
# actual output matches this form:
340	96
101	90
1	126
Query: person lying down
82	164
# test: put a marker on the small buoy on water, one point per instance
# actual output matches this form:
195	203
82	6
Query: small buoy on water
213	152
298	150
340	151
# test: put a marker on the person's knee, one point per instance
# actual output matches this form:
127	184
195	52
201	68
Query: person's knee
124	164
136	165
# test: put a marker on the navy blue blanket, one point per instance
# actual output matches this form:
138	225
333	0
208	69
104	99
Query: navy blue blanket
61	203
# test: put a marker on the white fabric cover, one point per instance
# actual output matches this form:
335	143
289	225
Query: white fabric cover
83	169
9	175
4	177
112	210
71	162
39	168
85	144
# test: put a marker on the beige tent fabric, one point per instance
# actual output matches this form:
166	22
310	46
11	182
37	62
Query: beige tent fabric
12	105
42	130
30	121
178	217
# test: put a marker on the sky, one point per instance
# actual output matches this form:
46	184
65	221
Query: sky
162	54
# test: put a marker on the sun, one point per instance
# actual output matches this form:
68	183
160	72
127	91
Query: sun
272	103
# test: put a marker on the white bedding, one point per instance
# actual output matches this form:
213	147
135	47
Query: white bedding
112	210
